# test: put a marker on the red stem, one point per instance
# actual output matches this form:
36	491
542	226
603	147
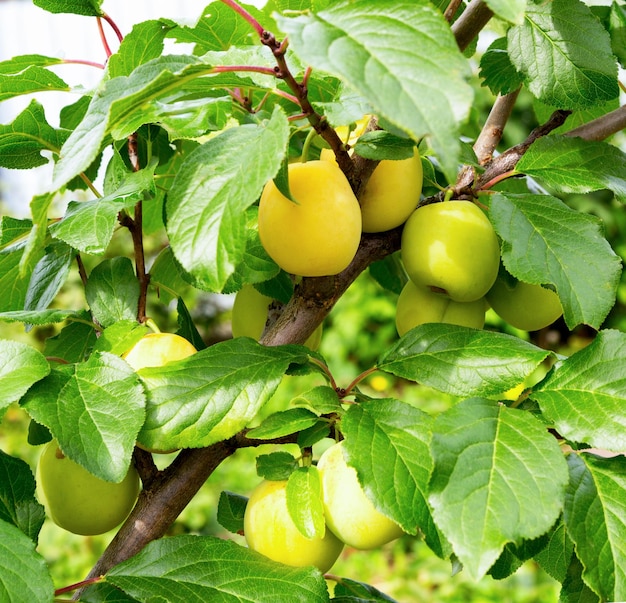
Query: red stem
114	26
245	14
107	48
81	584
81	62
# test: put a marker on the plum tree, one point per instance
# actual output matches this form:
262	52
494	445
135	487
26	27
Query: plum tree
523	305
77	500
349	514
269	530
316	234
451	248
418	304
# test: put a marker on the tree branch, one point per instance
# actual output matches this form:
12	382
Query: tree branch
471	22
602	127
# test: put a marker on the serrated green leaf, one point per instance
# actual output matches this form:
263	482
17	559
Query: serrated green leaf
565	55
585	395
18	505
556	557
186	326
94	409
546	242
22	141
497	70
88	225
276	466
120	337
207	201
230	511
573	165
595	508
32	79
165	275
617	29
462	361
87	8
39	317
21	62
74	340
387	442
351	591
575	589
13	282
379	145
211	395
143	43
305	503
34	247
509	10
358	43
320	399
24	574
196	569
478	445
284	423
112	291
21	365
13	229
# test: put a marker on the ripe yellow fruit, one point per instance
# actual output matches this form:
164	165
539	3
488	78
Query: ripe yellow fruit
350	515
451	248
250	310
417	305
269	530
77	500
318	235
524	306
156	349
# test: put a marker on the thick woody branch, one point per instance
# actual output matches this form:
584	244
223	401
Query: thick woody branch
602	127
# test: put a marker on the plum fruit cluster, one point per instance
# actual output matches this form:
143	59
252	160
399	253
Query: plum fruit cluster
351	518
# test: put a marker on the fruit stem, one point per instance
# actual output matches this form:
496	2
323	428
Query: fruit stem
245	14
77	585
359	378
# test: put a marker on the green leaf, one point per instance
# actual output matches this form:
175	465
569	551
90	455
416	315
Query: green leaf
87	8
22	141
546	242
509	10
207	201
21	365
584	396
213	394
48	276
94	409
18	505
88	225
346	41
32	79
574	165
595	508
21	62
320	399
462	361
13	282
499	477
143	43
24	573
120	337
276	466
40	317
112	291
617	22
74	340
497	70
556	557
574	589
305	503
37	238
565	55
166	276
196	569
284	423
387	442
351	591
230	511
379	145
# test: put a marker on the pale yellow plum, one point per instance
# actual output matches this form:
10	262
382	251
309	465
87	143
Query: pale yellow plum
349	513
249	315
77	500
319	233
451	248
269	530
523	305
418	305
157	349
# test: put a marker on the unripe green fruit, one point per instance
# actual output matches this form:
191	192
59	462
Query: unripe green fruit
320	233
269	530
249	315
418	305
451	248
78	501
524	306
350	515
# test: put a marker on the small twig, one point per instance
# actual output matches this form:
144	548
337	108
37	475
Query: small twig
81	270
471	22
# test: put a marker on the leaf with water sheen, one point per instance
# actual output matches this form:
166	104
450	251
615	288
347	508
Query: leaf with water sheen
358	43
197	569
462	361
499	477
21	365
546	242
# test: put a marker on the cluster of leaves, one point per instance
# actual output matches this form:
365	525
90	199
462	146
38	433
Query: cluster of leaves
485	483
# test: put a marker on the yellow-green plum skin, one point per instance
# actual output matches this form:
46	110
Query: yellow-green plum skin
156	349
317	235
78	501
269	530
418	305
349	514
451	248
523	305
249	315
